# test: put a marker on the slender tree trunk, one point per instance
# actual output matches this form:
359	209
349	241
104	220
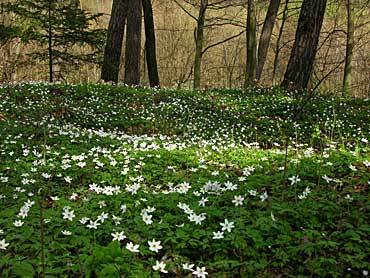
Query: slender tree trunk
349	47
113	47
265	38
50	44
303	53
150	48
199	37
250	79
278	48
133	43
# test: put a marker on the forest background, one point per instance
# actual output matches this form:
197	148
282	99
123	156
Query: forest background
224	58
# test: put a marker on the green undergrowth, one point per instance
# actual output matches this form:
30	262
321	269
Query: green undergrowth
110	181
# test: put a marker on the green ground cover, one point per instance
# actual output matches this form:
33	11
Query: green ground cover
109	181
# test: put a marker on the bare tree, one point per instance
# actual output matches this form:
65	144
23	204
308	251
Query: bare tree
113	47
303	53
250	77
265	38
349	47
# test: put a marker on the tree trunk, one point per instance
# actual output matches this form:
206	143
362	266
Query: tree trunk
349	47
199	37
133	43
265	38
278	47
303	53
113	47
50	44
150	48
250	79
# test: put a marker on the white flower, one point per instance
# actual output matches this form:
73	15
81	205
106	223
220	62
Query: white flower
102	204
227	226
68	214
187	266
123	208
200	272
367	163
294	180
84	220
46	175
203	201
238	200
81	164
252	192
218	235
263	196
73	197
353	168
154	245
93	224
349	198
18	223
116	219
3	244
147	218
159	266
118	236
230	186
66	233
68	179
132	248
102	217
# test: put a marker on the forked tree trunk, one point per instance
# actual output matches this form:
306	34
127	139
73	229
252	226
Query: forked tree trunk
133	43
250	78
349	47
150	47
265	38
113	47
199	37
303	53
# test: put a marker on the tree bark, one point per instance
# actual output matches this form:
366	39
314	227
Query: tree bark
265	38
150	47
349	47
133	43
303	53
199	37
113	47
250	79
277	47
50	44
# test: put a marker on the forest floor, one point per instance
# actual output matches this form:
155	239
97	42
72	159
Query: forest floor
110	181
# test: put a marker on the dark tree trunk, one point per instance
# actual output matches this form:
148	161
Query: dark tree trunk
133	43
349	47
113	47
250	78
150	49
265	38
303	53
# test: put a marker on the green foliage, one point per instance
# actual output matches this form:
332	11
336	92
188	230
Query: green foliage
176	167
58	25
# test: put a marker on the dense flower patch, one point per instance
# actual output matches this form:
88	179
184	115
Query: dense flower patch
111	181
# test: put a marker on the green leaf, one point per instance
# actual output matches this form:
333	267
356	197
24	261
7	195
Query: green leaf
23	269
